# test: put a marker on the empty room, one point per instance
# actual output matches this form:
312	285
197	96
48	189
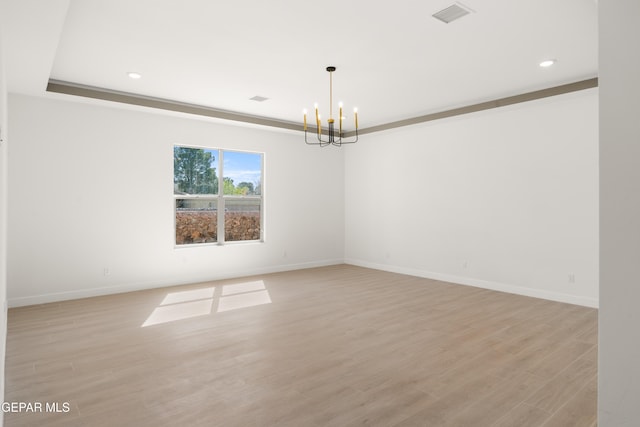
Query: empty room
290	213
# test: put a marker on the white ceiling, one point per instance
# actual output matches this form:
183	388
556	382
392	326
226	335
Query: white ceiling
394	61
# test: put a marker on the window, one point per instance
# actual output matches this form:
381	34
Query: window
218	195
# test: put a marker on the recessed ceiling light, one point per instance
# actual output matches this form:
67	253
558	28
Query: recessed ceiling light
134	75
547	63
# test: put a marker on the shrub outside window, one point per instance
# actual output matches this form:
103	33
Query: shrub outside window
207	212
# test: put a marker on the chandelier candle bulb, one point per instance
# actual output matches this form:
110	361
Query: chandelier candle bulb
340	118
355	113
305	118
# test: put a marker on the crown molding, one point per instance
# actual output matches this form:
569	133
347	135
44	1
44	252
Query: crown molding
74	89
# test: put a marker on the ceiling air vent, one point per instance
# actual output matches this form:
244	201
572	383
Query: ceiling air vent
451	13
258	98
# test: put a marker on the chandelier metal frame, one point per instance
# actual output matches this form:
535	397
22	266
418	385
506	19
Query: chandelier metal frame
333	138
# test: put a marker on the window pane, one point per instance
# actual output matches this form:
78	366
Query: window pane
241	219
242	173
194	171
196	221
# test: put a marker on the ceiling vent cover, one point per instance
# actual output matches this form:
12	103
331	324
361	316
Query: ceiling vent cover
451	13
258	98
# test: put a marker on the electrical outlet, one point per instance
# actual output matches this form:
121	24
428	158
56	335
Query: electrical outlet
107	271
572	278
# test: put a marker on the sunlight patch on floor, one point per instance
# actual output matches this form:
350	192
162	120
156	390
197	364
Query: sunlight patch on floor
186	296
204	301
173	312
241	288
250	299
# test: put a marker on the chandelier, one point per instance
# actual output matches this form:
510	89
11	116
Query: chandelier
332	138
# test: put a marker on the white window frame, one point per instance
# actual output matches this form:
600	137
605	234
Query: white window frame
220	200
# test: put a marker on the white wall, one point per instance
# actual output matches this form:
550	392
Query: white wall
619	320
3	212
91	187
505	199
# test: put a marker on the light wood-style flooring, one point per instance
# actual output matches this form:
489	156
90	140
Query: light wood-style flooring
330	346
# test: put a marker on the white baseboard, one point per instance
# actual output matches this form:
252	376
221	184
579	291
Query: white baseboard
132	287
479	283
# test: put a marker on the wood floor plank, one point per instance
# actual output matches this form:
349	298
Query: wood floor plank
329	346
487	409
558	390
580	410
523	415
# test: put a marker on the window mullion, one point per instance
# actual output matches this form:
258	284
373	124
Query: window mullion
221	208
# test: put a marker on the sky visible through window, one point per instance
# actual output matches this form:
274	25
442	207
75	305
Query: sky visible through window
241	167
